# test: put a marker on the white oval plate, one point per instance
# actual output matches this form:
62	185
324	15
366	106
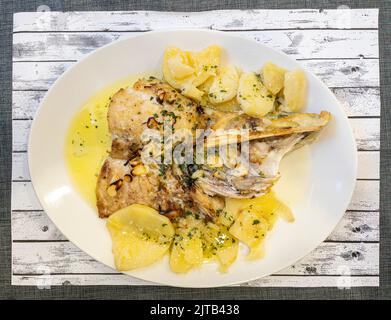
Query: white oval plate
324	187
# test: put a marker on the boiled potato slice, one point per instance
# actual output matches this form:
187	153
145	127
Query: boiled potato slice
140	235
219	244
186	251
207	61
295	90
225	85
273	77
227	255
250	228
176	67
254	98
268	204
227	217
191	91
186	70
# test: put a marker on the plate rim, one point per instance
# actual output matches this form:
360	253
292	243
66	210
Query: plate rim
174	30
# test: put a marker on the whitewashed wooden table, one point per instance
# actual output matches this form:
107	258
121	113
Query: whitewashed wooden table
340	46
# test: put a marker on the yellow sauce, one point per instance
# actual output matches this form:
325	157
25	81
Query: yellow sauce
88	140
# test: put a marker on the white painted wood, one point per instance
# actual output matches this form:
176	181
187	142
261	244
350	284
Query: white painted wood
334	73
355	101
342	282
368	165
367	133
68	36
25	103
359	102
346	73
36	75
271	281
365	196
218	20
357	226
64	257
300	44
36	225
20	169
23	197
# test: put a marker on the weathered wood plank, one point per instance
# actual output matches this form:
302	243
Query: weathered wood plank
64	257
121	279
23	197
36	225
314	281
25	103
365	196
219	20
367	133
368	166
355	101
346	73
37	75
359	102
334	73
20	168
300	44
335	258
357	226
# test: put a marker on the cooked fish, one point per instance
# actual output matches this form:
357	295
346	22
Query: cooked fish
119	186
149	104
230	128
257	177
174	188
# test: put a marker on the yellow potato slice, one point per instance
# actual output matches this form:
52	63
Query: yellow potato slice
220	245
186	70
176	64
140	235
250	228
207	61
273	77
178	68
186	252
295	90
253	97
225	85
268	204
191	91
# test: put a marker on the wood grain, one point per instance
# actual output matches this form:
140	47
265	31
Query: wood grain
340	46
300	44
217	20
64	257
121	279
